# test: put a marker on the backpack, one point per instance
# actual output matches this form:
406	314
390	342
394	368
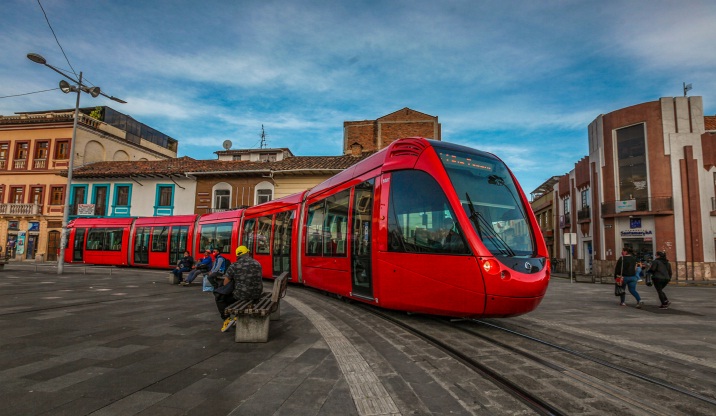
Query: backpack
225	265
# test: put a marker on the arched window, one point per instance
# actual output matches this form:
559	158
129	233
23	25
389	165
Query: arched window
264	192
221	196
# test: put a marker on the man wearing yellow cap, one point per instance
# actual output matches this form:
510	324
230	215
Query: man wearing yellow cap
245	274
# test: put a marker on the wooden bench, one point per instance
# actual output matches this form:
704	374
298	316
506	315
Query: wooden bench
252	318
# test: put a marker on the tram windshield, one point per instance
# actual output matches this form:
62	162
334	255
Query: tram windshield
491	201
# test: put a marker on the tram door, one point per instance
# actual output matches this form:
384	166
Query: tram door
177	243
282	243
362	234
141	245
78	249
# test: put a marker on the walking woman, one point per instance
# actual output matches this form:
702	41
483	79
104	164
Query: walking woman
661	275
626	267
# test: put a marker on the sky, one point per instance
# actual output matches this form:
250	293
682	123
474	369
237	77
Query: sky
520	79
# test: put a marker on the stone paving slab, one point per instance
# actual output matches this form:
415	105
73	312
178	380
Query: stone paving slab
129	343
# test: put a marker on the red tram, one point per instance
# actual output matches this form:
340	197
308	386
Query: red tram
422	226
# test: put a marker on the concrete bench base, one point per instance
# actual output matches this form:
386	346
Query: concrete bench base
173	280
252	318
252	329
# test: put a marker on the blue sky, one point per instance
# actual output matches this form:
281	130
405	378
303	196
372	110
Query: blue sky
521	79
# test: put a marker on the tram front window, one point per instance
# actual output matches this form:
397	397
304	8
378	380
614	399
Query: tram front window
421	219
491	201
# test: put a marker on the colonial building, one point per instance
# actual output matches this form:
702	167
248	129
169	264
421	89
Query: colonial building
373	135
36	146
647	184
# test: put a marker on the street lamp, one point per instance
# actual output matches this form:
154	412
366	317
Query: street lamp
66	87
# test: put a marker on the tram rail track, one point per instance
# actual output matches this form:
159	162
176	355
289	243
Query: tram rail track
600	385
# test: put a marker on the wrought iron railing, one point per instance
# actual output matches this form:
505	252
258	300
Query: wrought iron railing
565	221
584	214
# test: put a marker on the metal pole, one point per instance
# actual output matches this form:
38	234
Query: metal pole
66	210
570	261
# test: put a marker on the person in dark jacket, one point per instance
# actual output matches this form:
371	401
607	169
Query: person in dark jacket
184	265
202	266
244	278
660	271
626	267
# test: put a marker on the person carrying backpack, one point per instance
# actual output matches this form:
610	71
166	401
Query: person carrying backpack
217	271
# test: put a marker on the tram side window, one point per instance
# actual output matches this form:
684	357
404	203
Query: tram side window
95	239
159	239
216	236
248	237
113	239
336	224
327	226
223	237
420	218
264	235
314	229
104	239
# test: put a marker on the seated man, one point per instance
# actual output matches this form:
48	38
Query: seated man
184	265
243	281
218	269
202	266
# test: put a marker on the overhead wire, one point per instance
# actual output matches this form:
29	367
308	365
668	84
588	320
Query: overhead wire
28	93
57	40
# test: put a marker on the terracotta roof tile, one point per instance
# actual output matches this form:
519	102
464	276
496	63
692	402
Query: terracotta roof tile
182	165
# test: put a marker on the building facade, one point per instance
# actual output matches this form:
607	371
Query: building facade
36	147
647	184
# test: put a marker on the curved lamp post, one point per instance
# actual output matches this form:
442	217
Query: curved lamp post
78	87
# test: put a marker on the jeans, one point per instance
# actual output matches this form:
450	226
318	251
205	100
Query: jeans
178	272
193	274
630	282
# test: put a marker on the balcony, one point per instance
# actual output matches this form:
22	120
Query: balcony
565	221
39	164
584	214
20	209
19	164
3	164
663	205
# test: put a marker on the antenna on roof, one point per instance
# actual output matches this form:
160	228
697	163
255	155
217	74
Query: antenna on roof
263	138
227	144
687	88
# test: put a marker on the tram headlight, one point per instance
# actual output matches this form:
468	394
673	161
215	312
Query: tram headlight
491	266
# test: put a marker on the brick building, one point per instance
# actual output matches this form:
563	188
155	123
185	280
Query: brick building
648	184
373	135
